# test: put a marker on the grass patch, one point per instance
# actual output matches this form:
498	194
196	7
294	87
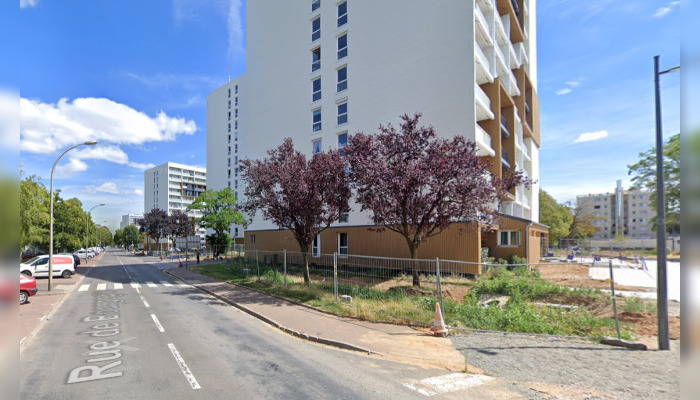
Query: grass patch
638	305
400	303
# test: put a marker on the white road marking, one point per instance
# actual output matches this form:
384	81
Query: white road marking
446	383
22	341
145	303
84	288
101	286
183	285
151	284
167	284
183	367
135	285
118	286
158	325
42	318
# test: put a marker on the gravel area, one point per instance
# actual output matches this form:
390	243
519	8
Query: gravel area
544	368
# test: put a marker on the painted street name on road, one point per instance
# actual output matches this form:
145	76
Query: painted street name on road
105	312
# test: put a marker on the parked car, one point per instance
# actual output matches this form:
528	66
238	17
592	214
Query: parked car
27	287
76	259
81	253
28	255
63	266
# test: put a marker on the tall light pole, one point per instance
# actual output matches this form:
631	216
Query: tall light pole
88	143
661	278
87	231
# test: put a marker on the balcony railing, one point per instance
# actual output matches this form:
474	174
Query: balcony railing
504	158
504	127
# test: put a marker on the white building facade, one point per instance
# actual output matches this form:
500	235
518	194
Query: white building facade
171	186
129	219
329	69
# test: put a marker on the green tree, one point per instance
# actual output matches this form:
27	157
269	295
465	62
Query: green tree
33	213
644	177
68	224
117	238
219	211
104	235
130	235
557	216
582	224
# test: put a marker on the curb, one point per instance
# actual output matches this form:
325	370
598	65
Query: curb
328	342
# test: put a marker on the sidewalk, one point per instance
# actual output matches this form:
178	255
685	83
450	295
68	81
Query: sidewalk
395	342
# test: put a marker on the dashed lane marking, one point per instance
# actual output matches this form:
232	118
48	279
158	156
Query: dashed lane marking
183	367
158	325
145	303
135	285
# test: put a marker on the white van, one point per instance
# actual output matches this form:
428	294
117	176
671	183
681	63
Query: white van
39	266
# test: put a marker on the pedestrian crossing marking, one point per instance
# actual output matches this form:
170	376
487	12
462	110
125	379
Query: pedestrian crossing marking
118	286
151	284
101	286
167	284
135	285
84	288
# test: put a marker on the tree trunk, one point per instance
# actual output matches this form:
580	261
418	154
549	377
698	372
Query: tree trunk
305	254
414	256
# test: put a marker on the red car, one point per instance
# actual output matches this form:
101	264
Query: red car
27	287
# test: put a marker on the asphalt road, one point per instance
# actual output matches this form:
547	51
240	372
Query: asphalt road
129	331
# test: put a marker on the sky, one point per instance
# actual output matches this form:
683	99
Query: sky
134	75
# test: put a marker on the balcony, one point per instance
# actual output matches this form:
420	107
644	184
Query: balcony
502	67
521	52
483	143
504	158
483	68
528	113
483	37
511	84
483	104
514	61
504	127
526	152
501	34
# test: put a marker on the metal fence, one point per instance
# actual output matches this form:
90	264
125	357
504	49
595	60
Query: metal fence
672	244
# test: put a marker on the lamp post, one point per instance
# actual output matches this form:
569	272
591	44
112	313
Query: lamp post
88	143
661	277
87	231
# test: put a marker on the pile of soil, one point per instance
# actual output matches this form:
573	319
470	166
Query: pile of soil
574	275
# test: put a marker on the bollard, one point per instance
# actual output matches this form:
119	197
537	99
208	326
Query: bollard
257	263
285	268
335	276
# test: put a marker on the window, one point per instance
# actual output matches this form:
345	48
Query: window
316	89
229	104
317	120
229	115
344	218
229	127
316	246
317	146
236	101
236	183
229	150
509	238
596	207
235	125
252	238
236	113
315	4
343	244
236	232
342	46
236	171
236	89
235	149
229	162
316	29
342	79
229	174
315	59
343	115
342	13
235	137
342	142
229	93
229	138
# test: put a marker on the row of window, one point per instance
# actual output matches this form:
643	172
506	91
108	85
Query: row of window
316	22
341	85
317	145
342	117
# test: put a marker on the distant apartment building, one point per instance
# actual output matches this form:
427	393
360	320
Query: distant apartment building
173	186
625	213
333	68
130	219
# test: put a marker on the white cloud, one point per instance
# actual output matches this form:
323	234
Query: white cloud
28	3
184	10
570	85
591	136
663	11
234	25
573	83
71	167
138	192
108	153
563	91
46	128
108	187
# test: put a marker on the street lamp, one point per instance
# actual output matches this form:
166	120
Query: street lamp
88	143
661	279
87	230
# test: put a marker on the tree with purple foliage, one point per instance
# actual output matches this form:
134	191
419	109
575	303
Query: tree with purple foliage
179	225
304	196
155	224
417	184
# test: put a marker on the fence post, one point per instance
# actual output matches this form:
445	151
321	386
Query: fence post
614	301
257	263
335	276
439	286
285	268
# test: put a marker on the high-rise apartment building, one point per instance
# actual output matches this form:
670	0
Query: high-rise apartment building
129	219
625	213
173	186
320	70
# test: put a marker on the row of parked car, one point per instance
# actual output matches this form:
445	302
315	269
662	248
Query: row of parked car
63	265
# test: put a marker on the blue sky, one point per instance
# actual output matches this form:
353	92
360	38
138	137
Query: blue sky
138	72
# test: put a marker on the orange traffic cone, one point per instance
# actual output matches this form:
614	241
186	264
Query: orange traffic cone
439	328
